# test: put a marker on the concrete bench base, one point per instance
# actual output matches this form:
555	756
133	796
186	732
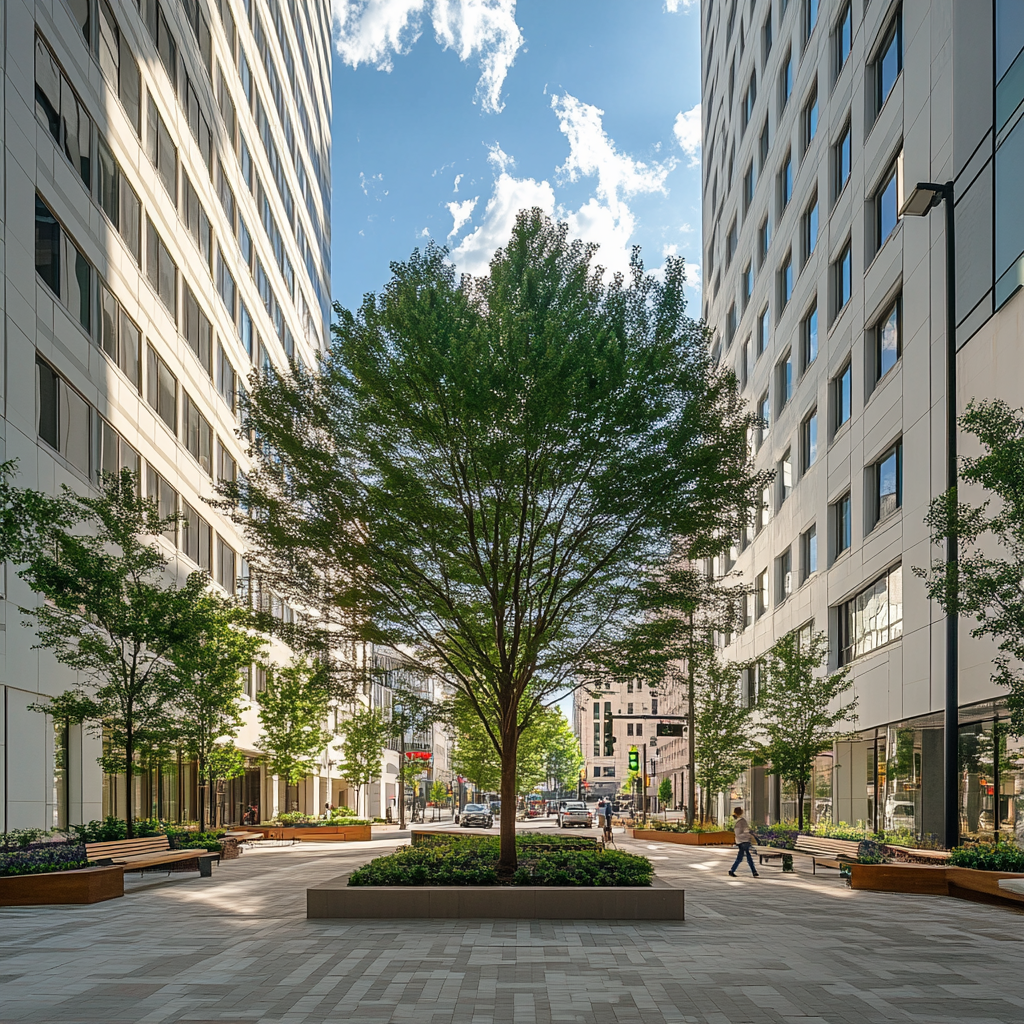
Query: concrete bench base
337	899
928	880
685	838
84	885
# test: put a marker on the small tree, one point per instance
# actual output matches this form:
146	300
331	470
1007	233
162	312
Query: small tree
563	758
800	710
292	712
986	583
365	735
109	610
411	711
438	795
721	725
209	693
665	794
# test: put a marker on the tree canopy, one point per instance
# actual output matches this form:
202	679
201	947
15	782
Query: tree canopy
490	472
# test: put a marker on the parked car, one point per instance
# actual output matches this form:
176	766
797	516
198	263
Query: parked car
476	816
575	812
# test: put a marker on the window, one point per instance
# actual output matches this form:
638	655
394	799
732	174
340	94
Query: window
226	288
810	119
761	594
748	187
226	379
841	154
766	37
764	412
119	337
118	65
809	552
890	61
227	468
810	226
749	99
786	282
61	111
166	47
887	207
762	146
887	482
62	266
161	389
842	279
161	270
873	618
224	567
196	537
629	709
763	241
764	329
746	361
810	17
639	728
198	331
785	577
747	283
196	219
785	476
785	82
809	338
842	38
785	377
117	199
767	507
843	524
198	435
115	454
888	339
65	417
842	395
160	149
809	441
730	244
786	183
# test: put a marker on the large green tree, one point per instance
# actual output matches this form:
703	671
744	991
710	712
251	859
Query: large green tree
365	734
221	644
986	582
488	471
109	610
721	727
801	708
293	713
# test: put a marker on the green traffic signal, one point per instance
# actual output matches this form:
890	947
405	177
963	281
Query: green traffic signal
634	760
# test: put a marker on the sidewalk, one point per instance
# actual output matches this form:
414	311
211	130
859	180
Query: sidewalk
779	949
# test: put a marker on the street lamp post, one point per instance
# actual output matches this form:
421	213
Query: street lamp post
925	197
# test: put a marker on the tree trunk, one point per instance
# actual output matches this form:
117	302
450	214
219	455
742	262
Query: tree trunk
800	786
507	862
401	781
204	785
129	779
691	736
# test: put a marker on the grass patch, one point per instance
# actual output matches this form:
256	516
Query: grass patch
472	860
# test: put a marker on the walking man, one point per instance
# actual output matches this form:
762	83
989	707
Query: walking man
741	827
606	814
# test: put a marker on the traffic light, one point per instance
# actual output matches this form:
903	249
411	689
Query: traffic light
609	736
634	760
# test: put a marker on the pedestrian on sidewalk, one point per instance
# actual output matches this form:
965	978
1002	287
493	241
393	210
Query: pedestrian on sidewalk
606	814
741	828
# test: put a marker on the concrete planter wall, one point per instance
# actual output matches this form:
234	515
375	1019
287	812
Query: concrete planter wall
965	883
315	833
686	838
336	899
84	885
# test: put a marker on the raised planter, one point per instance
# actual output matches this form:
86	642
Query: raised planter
314	833
337	899
923	879
686	838
83	885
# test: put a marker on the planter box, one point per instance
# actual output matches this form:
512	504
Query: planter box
686	838
337	899
315	833
964	883
84	885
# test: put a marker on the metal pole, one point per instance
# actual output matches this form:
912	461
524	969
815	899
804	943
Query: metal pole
643	783
691	779
952	714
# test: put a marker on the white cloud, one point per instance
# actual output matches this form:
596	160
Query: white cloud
501	160
461	212
425	233
510	195
376	31
675	6
688	132
458	178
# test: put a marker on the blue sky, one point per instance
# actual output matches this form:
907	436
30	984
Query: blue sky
450	115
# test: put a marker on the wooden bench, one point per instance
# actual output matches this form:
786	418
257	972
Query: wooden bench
829	853
153	851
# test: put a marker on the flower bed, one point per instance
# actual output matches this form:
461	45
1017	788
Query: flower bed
681	838
41	858
472	861
525	841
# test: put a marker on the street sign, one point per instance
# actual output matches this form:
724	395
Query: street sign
669	729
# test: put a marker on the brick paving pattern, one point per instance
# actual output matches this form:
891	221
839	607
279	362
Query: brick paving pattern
237	949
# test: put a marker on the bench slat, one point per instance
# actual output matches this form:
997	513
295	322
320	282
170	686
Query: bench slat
150	844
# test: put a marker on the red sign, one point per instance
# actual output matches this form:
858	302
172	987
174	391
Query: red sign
418	755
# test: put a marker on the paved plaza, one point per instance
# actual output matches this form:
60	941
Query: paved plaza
237	949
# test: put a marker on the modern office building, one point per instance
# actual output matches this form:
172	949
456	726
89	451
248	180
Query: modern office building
165	228
819	118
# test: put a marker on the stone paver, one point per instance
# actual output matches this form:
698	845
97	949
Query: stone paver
237	949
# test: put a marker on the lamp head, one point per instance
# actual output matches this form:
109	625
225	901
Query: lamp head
922	200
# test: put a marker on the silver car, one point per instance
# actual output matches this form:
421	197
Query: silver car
476	816
575	812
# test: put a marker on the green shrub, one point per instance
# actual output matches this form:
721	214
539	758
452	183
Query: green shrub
472	860
698	827
186	839
42	858
988	857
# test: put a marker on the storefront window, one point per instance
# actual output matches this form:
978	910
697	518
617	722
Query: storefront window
977	781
